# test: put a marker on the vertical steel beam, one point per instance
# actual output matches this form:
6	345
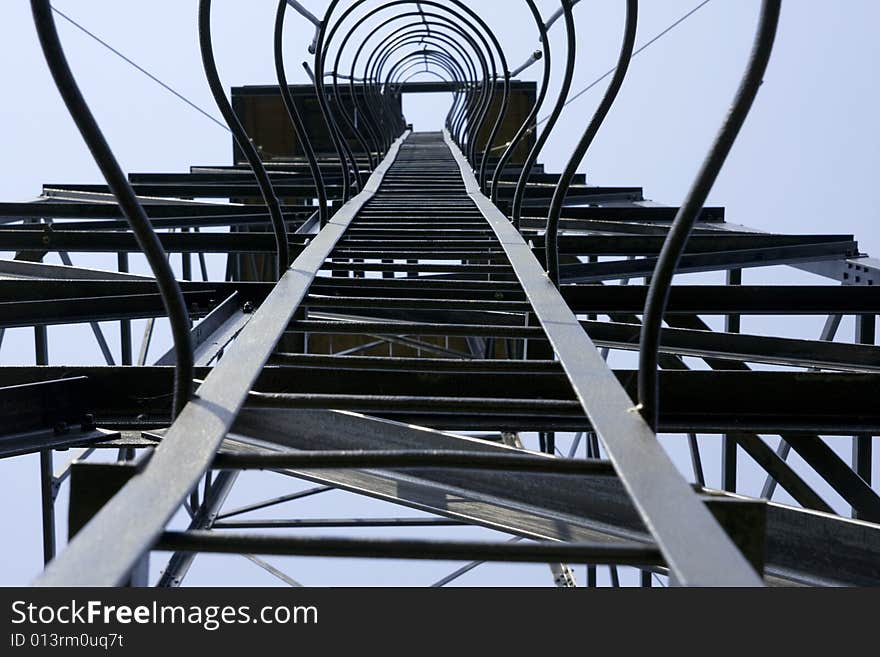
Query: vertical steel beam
125	357
47	481
186	262
677	518
125	324
47	492
866	333
696	460
732	324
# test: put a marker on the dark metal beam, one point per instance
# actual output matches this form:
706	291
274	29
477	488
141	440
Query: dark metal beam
659	493
190	443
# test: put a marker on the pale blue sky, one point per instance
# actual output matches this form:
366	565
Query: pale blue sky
806	160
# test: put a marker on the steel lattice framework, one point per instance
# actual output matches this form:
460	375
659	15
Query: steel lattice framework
400	309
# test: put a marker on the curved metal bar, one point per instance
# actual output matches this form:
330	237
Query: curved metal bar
169	289
339	141
348	12
469	98
453	79
539	102
335	134
372	108
414	75
438	40
402	73
447	64
443	57
389	46
421	14
354	95
438	58
374	151
295	117
676	240
482	103
540	142
458	102
480	100
475	100
551	235
354	172
431	59
349	123
556	15
244	142
496	129
324	42
374	113
374	135
493	134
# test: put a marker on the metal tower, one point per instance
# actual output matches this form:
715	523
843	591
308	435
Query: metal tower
403	314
